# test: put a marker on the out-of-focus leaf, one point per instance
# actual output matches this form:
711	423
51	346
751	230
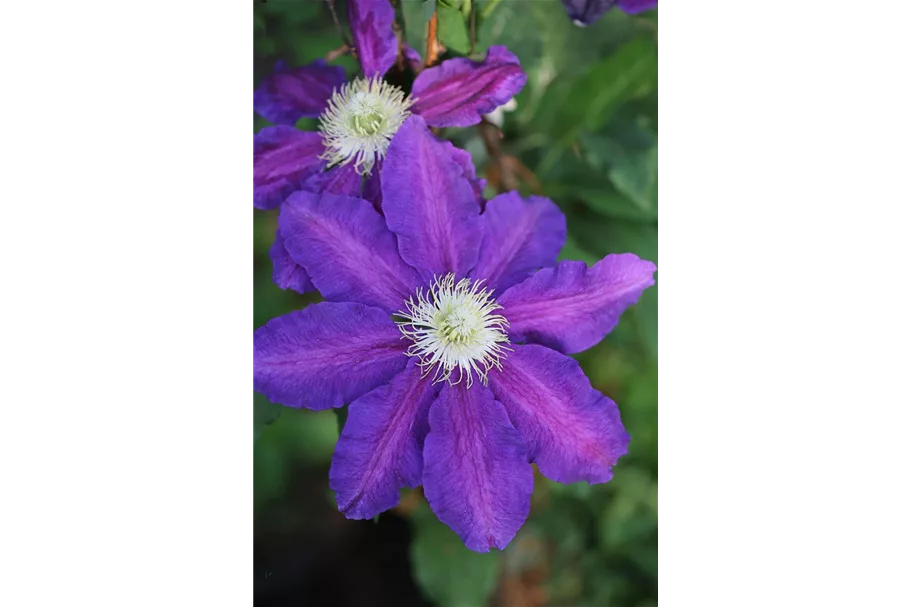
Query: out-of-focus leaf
647	318
292	13
264	413
597	192
312	435
447	571
268	471
416	14
589	100
631	514
602	237
452	30
428	7
264	226
637	177
572	250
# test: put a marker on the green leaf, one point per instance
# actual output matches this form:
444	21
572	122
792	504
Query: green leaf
572	250
637	177
269	469
604	237
647	318
591	98
452	30
428	8
597	192
416	14
447	571
264	413
631	515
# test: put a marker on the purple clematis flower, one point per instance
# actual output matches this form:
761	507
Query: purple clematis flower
447	330
358	119
586	12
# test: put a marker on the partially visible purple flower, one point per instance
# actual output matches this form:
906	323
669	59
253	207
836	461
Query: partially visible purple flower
470	382
374	39
359	119
586	12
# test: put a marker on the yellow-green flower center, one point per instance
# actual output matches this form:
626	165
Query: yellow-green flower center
453	326
360	120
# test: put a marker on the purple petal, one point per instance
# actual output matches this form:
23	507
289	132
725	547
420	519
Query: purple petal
573	432
429	203
283	159
412	58
459	91
289	94
520	235
476	474
586	12
340	179
326	355
373	185
379	451
287	273
347	250
373	189
637	6
572	307
465	161
374	40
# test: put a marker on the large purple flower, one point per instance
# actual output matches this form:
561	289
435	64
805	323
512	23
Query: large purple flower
447	330
586	12
358	119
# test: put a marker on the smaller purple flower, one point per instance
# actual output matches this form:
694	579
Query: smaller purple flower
359	118
448	331
586	12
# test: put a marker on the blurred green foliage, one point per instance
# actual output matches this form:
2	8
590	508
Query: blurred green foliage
585	134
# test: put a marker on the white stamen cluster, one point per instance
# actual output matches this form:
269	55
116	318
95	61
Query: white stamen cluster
360	120
452	326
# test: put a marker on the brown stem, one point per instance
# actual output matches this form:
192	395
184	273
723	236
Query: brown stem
335	54
508	171
433	46
472	19
338	26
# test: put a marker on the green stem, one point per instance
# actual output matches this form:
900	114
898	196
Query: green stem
489	9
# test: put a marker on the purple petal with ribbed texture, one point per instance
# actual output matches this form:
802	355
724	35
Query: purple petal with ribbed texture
340	179
572	307
379	450
326	355
573	432
347	250
429	203
520	235
476	474
373	191
374	40
465	161
286	272
289	94
459	91
283	159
